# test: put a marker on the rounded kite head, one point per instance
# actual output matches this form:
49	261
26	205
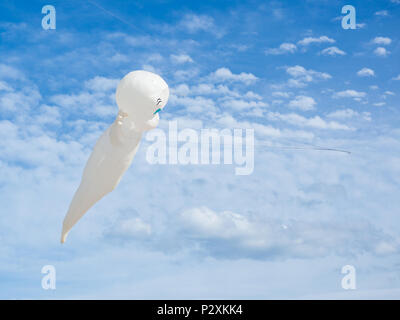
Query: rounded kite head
142	95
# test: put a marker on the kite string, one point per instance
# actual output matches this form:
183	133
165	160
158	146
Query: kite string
311	147
114	15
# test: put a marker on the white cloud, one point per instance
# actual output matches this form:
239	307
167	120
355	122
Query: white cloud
281	94
210	224
48	115
183	75
379	104
127	227
277	102
278	13
382	13
314	122
396	78
182	58
241	47
300	72
155	57
382	41
230	234
181	90
252	95
222	91
309	40
349	94
150	68
97	100
332	51
9	72
381	52
101	84
303	103
211	89
4	86
196	104
119	58
283	49
302	76
133	41
19	101
193	23
366	72
224	74
242	104
349	114
390	93
343	114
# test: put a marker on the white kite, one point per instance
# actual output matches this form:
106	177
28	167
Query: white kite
140	96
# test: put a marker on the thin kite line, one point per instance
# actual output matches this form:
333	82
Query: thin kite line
311	148
113	14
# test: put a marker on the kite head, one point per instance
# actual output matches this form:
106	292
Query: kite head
142	95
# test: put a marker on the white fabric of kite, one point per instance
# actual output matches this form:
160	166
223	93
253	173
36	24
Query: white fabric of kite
140	96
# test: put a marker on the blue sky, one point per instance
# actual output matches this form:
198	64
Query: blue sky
287	69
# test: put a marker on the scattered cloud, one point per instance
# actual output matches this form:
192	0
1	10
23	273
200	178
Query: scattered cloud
281	94
233	235
332	51
5	87
119	58
349	94
187	74
309	40
19	101
9	72
224	74
129	228
240	104
349	114
101	84
381	52
303	103
181	58
382	13
301	76
283	49
193	23
382	41
315	122
366	72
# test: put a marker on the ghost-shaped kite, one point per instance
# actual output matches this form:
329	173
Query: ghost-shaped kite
140	96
